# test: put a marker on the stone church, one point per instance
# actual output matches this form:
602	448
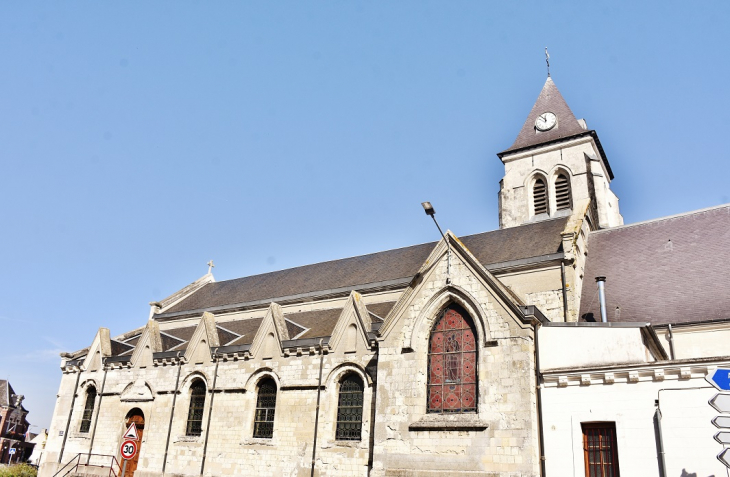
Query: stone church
495	354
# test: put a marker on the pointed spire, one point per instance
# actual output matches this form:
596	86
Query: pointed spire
549	101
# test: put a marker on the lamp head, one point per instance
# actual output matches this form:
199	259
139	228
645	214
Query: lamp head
428	208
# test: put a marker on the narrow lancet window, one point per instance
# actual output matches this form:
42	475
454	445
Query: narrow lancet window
265	406
349	409
88	409
195	411
452	363
539	197
562	192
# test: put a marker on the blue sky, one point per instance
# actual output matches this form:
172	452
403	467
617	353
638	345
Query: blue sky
138	140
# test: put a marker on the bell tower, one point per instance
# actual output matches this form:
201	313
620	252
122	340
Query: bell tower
556	166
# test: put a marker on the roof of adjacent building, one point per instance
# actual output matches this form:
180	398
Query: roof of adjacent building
549	100
4	393
490	248
7	395
669	270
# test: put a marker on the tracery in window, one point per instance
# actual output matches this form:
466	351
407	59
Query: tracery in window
88	409
349	409
539	197
562	192
452	362
265	406
195	411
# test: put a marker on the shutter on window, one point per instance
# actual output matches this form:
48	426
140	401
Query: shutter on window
562	192
539	195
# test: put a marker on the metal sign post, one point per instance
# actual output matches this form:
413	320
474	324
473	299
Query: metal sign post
720	378
128	450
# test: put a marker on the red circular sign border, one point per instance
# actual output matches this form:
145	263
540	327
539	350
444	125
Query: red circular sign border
136	449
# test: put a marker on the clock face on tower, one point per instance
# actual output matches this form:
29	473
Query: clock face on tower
546	121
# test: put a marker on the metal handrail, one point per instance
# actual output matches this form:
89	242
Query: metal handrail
112	463
78	456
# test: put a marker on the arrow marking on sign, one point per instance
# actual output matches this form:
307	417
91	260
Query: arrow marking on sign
721	402
724	457
722	422
720	378
723	437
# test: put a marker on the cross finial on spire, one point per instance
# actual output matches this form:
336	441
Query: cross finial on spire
210	266
547	60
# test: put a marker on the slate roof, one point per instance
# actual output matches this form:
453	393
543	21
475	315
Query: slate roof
490	248
549	100
670	270
7	394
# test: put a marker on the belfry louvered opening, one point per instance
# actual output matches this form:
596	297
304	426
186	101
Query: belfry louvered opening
562	192
539	197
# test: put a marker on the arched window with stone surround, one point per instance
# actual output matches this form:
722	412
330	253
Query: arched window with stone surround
539	197
452	363
195	409
88	409
263	426
563	199
349	409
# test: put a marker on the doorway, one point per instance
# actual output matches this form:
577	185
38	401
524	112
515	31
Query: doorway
135	416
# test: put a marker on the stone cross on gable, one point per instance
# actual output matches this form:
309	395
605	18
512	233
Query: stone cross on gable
210	266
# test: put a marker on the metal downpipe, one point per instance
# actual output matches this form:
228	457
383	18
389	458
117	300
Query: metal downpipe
70	412
540	435
96	419
210	410
671	341
658	420
316	415
172	412
565	293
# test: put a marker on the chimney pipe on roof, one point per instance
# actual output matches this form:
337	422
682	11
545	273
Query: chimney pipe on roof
602	296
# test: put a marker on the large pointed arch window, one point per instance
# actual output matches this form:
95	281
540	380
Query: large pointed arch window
452	363
195	410
539	197
88	409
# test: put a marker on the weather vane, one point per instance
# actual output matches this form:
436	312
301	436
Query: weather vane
547	60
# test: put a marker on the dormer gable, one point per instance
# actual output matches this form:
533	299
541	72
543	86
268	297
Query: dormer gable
149	342
204	339
272	331
350	334
100	348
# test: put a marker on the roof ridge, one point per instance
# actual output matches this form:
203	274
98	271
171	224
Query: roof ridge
661	219
462	237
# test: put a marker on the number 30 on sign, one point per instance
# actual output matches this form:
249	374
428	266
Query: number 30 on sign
129	449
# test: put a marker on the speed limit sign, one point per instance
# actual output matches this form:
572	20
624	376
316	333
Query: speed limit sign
129	449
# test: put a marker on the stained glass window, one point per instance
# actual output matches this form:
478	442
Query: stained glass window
600	450
195	411
349	409
88	409
265	405
452	363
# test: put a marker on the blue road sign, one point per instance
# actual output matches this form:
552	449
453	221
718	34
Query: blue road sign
720	378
